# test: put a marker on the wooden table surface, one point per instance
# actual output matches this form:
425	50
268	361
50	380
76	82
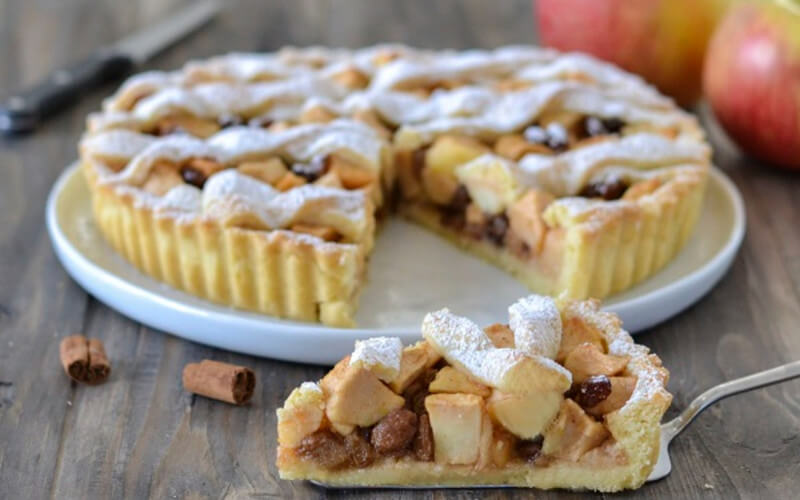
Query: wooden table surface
141	435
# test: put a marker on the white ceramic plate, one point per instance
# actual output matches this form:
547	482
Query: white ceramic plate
411	272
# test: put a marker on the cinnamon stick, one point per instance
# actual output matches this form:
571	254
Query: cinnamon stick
84	360
221	381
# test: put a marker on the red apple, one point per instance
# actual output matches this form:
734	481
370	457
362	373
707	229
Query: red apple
752	79
664	41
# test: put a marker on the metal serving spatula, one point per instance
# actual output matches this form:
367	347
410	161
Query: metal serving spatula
22	112
675	426
669	430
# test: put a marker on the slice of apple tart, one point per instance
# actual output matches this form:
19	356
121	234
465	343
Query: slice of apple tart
280	221
560	397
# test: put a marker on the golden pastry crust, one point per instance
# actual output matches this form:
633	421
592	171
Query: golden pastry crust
625	446
281	273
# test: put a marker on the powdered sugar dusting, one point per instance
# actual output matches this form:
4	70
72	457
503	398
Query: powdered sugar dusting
466	346
210	100
139	85
119	143
566	174
242	83
311	387
382	355
174	150
536	323
183	198
230	195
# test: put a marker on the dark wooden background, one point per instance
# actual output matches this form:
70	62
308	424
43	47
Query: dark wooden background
141	435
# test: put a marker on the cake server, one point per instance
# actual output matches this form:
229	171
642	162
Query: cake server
669	430
23	111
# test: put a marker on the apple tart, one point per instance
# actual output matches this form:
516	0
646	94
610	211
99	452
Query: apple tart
560	397
255	180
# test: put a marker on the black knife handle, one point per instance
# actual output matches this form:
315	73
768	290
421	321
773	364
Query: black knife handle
23	111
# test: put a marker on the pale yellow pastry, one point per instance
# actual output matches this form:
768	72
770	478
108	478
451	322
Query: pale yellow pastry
254	180
494	406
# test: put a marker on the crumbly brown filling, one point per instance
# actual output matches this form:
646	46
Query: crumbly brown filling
406	432
601	384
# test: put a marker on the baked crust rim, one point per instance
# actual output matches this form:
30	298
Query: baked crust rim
289	275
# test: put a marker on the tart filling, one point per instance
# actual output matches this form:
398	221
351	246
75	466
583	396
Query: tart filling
559	397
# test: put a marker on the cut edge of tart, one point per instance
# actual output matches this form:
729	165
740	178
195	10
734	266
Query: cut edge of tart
258	180
560	397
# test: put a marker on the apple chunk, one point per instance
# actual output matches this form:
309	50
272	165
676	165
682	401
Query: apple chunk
441	160
448	379
415	359
491	182
301	415
576	331
457	421
573	433
587	359
380	355
621	390
525	218
356	396
524	416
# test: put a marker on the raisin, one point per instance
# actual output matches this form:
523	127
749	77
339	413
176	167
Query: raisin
529	449
594	126
229	120
454	214
193	176
613	125
460	199
394	432
610	189
453	219
325	448
260	122
423	441
416	393
359	450
418	161
592	391
496	228
312	170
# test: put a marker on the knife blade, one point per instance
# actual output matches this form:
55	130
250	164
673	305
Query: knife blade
24	111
